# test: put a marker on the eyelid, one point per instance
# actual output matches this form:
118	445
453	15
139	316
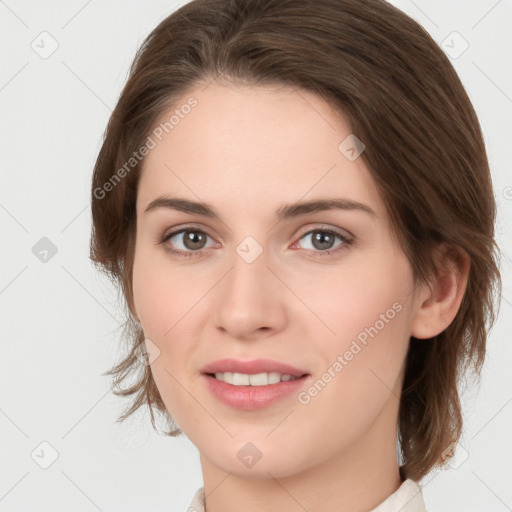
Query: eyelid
179	229
345	236
328	227
176	229
172	232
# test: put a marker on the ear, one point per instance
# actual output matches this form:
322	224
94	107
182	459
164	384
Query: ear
436	305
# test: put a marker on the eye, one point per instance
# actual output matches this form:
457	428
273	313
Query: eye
322	241
190	241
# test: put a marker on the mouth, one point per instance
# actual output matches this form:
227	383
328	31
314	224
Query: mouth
253	392
256	379
256	372
253	384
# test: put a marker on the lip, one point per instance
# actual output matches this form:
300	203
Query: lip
252	398
253	367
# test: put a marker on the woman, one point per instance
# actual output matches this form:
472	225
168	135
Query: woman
295	199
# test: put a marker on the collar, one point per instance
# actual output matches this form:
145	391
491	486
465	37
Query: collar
407	498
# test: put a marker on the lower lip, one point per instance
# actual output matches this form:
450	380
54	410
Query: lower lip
251	398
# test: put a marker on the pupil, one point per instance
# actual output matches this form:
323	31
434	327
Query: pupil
194	238
324	240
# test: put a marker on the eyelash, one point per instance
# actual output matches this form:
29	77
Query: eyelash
346	242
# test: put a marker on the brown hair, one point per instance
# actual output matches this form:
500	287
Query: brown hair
424	148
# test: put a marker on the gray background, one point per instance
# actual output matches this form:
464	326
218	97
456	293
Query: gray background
60	319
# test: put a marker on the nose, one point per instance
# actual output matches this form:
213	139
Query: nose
250	302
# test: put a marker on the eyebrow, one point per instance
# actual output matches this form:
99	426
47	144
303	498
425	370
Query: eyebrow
287	211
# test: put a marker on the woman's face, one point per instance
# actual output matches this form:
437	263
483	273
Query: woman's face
326	291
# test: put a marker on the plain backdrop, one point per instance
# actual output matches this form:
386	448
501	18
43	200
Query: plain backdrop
60	319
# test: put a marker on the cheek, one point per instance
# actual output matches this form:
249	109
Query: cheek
367	309
167	295
362	362
370	293
155	301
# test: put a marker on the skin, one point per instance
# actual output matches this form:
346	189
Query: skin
247	151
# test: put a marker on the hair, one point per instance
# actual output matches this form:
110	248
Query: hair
423	147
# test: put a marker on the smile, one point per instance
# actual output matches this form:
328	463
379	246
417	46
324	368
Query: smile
258	379
269	388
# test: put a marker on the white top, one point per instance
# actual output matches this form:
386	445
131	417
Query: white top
407	498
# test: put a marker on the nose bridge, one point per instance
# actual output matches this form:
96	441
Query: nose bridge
250	297
250	277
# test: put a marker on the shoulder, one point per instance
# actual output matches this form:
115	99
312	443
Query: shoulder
197	503
407	498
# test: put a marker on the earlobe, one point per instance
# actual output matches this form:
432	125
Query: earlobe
436	306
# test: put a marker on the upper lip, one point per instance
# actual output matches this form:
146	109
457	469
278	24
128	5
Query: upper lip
252	367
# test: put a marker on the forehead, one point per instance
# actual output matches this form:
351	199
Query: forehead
253	145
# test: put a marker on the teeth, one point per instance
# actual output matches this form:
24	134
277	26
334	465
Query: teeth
259	379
